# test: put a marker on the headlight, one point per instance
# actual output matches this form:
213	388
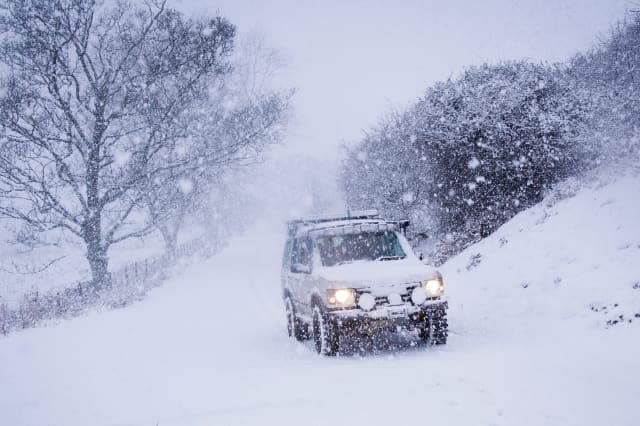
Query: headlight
342	296
434	286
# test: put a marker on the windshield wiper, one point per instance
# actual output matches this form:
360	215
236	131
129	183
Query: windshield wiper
390	257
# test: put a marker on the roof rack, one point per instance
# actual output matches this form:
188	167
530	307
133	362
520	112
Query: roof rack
351	215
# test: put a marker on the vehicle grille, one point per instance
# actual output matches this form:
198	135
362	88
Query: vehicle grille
382	300
406	296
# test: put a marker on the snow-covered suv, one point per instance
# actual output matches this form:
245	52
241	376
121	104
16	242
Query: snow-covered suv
357	273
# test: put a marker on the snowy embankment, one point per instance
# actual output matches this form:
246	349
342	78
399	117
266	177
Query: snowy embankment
210	347
572	261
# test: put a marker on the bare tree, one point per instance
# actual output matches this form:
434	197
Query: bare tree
224	140
96	101
246	114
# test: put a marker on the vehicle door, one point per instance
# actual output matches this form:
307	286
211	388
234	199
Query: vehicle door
300	279
285	274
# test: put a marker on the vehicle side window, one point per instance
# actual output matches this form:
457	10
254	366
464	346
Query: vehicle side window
301	255
286	258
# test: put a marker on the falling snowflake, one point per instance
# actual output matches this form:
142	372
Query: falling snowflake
181	150
121	158
185	185
408	197
473	163
207	31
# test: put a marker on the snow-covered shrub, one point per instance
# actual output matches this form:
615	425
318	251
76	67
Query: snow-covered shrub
475	150
496	139
608	76
472	152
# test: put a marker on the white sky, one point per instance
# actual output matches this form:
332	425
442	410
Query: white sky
352	60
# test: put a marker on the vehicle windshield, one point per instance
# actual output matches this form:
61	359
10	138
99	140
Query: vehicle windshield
339	249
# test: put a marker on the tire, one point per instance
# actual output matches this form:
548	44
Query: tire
435	328
326	335
295	327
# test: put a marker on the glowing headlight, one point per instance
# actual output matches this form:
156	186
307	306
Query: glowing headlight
343	296
434	286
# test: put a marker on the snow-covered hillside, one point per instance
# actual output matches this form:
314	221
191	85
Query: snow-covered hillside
565	261
210	347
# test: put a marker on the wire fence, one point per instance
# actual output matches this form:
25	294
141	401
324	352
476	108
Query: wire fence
127	285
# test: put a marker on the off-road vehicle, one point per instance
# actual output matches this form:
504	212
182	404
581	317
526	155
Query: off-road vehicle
357	273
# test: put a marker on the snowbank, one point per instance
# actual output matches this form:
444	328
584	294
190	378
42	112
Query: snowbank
573	260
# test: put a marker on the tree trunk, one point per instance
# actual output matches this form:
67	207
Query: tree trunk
96	252
99	264
170	230
170	237
92	227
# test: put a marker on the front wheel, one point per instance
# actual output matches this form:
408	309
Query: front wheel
325	333
295	327
435	328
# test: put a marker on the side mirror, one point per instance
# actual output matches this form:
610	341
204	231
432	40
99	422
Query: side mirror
420	256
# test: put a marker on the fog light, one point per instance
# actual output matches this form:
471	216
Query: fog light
366	301
418	296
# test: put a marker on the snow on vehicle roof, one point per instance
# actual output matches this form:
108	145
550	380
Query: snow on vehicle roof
345	227
351	222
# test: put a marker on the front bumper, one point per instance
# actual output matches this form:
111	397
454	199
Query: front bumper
405	315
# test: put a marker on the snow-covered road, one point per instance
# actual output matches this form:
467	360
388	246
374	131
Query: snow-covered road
210	348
